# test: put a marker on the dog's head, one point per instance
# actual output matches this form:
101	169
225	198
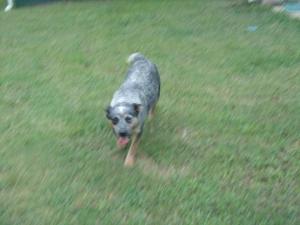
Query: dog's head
124	119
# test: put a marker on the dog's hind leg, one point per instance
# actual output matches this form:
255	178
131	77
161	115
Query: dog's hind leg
130	158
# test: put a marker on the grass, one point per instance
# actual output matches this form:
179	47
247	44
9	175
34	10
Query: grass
226	144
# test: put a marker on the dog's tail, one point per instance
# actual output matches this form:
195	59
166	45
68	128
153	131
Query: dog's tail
134	57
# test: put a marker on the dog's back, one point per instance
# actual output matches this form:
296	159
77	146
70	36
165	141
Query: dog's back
142	83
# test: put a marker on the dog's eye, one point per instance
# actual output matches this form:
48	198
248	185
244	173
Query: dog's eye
115	120
128	119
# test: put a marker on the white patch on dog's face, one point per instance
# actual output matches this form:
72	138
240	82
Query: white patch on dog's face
122	110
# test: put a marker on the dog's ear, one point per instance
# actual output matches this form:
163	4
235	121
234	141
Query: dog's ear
136	108
107	110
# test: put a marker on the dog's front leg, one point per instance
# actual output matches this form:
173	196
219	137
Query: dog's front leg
130	158
152	111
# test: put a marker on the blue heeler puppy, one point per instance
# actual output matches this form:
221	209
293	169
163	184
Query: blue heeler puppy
132	102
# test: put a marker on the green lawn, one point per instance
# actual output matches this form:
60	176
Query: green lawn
225	143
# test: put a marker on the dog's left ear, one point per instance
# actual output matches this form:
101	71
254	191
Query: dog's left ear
136	108
107	110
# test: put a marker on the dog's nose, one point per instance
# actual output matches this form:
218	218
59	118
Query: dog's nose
123	134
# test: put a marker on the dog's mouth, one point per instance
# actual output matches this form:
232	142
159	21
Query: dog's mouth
122	142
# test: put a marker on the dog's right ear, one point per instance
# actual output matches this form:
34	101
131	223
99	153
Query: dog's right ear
107	110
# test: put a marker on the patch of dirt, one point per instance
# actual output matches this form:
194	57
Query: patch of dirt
150	167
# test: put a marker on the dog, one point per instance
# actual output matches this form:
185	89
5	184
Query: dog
133	102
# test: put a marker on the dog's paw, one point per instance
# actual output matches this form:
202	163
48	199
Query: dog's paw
129	161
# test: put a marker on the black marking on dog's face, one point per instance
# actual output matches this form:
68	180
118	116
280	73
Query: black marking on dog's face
115	120
128	119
